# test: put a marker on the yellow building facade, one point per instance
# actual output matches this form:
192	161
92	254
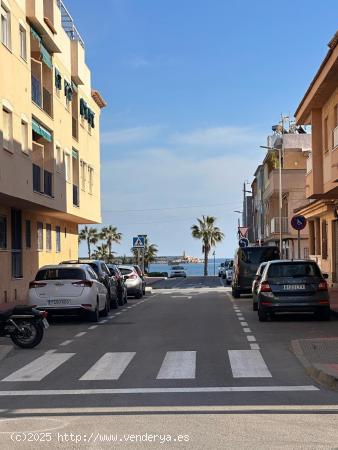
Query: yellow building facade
49	141
319	108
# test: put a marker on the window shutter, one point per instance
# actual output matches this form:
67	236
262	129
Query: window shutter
82	104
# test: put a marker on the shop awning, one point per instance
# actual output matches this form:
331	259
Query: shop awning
41	131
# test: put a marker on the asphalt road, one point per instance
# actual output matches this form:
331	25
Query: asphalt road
186	362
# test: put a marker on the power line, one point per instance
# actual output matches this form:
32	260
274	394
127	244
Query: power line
166	209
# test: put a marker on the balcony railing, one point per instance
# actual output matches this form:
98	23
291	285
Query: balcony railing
275	225
335	137
36	91
75	195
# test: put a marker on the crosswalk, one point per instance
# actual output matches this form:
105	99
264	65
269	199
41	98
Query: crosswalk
111	366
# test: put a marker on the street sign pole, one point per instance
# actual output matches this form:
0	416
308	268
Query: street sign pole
299	244
298	223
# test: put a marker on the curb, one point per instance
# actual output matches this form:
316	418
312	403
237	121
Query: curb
317	371
5	350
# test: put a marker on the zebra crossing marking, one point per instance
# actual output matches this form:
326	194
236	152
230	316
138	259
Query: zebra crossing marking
40	367
248	364
109	367
178	365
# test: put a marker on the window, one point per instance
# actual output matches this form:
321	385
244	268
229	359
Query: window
5	26
3	232
58	239
7	129
24	136
83	175
48	237
23	43
60	274
325	137
16	237
58	159
67	166
28	234
40	235
324	239
91	179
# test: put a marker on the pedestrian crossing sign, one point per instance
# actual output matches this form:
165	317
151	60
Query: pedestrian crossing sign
138	242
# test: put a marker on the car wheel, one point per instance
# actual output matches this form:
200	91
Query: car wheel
105	311
139	295
324	314
94	315
254	306
262	315
235	293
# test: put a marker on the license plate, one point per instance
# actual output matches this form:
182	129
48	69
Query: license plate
294	287
61	301
45	323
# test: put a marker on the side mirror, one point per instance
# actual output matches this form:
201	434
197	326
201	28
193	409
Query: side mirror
326	276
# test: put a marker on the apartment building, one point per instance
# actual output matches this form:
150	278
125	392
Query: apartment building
267	221
49	141
319	108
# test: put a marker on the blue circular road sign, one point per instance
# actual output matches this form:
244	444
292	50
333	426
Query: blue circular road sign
243	242
298	222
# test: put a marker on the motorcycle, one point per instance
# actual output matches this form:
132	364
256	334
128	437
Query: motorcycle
25	325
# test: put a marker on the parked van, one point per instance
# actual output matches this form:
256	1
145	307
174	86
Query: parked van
246	263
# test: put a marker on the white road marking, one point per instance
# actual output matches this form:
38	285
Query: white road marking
178	365
251	338
80	334
109	367
240	318
128	307
92	327
248	364
40	367
69	341
48	352
118	313
41	392
244	324
254	347
103	321
246	330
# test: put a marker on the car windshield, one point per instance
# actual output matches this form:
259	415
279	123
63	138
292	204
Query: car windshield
125	271
60	274
257	255
178	268
293	270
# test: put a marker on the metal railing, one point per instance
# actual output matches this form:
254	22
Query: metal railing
36	91
275	225
68	24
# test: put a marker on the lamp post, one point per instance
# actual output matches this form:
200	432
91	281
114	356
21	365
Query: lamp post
279	150
214	254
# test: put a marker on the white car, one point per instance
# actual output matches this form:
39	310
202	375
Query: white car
177	271
133	281
221	270
228	275
69	288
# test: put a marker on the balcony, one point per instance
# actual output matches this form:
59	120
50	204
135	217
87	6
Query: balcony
41	96
75	195
46	182
292	179
275	225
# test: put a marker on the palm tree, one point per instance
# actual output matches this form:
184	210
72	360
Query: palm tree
110	235
209	234
149	251
101	252
91	235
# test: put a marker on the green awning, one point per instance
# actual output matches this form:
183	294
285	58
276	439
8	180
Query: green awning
45	55
36	35
75	154
40	130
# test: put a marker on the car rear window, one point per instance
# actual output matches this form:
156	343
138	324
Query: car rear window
293	270
125	271
60	274
257	255
178	268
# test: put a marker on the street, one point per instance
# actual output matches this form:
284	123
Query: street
187	360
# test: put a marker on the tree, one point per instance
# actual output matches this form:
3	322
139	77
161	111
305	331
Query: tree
101	252
90	235
110	235
209	234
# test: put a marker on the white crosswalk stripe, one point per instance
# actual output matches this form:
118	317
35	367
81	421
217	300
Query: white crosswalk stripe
112	365
40	367
109	367
178	365
248	364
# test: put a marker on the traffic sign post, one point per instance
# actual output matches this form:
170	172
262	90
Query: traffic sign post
243	242
298	223
138	242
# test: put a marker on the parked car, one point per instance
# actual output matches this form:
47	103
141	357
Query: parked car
293	286
102	271
228	273
133	281
246	263
120	283
221	269
141	275
177	271
255	285
69	288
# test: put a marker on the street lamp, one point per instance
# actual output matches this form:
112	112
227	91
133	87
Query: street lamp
214	254
279	150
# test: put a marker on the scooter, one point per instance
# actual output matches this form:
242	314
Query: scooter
24	324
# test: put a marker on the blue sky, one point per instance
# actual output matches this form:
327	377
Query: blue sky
193	88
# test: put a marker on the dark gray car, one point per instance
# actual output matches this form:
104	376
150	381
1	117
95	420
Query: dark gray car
293	286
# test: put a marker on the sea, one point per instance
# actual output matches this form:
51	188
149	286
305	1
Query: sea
191	269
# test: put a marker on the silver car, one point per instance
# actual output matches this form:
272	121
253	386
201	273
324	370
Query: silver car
133	281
